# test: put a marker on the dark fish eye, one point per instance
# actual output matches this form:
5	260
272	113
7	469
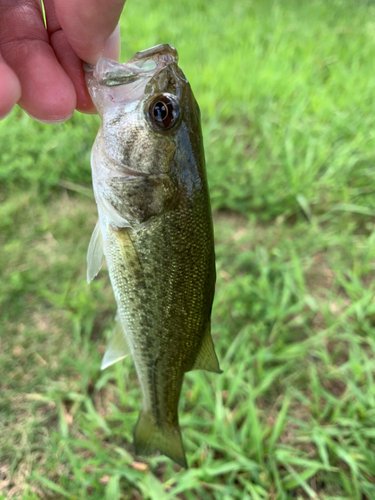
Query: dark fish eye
164	111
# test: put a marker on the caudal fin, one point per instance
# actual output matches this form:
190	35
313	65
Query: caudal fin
148	437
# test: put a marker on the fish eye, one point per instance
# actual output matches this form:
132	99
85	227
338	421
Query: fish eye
164	111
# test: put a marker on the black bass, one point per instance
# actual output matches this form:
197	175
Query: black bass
155	231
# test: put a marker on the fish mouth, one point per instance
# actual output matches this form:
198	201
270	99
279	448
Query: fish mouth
145	63
111	83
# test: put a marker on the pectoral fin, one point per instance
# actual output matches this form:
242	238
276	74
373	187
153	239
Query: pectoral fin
117	347
95	253
111	213
207	359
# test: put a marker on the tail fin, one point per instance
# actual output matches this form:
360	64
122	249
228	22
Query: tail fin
148	437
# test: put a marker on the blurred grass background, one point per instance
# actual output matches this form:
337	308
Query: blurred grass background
286	90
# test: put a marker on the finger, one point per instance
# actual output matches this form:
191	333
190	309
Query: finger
47	92
89	24
10	89
68	59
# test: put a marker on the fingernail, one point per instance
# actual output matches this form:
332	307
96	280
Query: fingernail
112	47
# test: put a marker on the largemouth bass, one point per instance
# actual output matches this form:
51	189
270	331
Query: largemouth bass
155	231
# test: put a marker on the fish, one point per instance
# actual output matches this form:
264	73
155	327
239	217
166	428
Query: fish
155	231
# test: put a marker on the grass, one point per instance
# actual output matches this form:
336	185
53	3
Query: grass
286	93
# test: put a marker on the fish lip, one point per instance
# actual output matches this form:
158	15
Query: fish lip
145	63
167	50
111	83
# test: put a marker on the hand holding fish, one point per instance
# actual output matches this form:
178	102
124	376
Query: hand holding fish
41	67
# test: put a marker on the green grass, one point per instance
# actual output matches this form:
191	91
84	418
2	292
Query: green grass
286	93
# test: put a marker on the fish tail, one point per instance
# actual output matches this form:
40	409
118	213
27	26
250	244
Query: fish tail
149	436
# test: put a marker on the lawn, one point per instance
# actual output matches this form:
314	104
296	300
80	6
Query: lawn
286	90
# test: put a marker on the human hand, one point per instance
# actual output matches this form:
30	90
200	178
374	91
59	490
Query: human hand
41	68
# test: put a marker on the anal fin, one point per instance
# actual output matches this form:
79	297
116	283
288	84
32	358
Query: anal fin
206	358
118	347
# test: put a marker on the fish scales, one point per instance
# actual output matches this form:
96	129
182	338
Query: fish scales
156	232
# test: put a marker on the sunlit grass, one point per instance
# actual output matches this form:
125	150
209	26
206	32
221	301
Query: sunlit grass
286	93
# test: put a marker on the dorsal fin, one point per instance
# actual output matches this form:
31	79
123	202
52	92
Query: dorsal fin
206	358
95	253
118	347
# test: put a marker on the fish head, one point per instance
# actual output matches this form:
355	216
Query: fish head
147	110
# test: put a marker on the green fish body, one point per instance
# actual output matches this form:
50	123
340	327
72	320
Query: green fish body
155	231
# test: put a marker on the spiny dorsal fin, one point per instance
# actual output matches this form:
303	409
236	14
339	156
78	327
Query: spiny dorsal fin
117	347
207	359
95	253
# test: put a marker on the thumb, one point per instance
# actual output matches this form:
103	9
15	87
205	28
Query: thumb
91	27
